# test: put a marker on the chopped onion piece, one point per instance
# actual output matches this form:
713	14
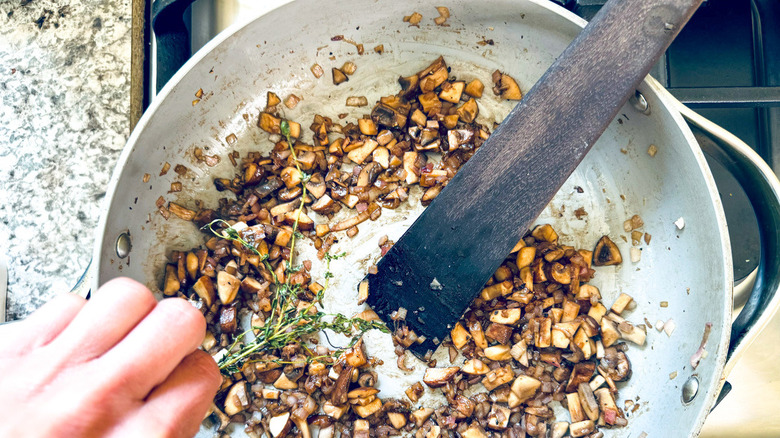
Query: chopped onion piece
669	327
636	254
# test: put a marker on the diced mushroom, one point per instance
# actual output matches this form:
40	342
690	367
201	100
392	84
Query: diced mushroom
525	387
369	409
451	91
506	86
606	253
236	399
543	338
559	429
349	68
546	233
209	342
419	416
333	411
172	284
408	85
272	99
519	352
324	205
474	432
498	418
355	356
575	407
581	372
357	101
584	343
474	88
525	256
360	429
414	392
283	382
497	377
563	332
362	392
582	428
496	290
635	334
498	353
338	76
327	432
609	332
360	154
279	425
317	71
437	377
588	401
468	111
499	332
607	404
369	174
227	287
475	367
397	419
616	364
412	172
459	336
475	329
270	123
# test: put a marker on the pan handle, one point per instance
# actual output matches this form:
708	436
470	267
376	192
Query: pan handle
763	190
173	39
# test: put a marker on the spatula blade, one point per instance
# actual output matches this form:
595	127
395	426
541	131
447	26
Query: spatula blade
439	265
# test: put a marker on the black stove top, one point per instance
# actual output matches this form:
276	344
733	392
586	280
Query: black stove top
725	64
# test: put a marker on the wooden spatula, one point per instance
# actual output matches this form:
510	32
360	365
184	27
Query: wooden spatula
439	265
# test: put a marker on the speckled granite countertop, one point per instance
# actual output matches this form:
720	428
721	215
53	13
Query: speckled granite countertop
64	102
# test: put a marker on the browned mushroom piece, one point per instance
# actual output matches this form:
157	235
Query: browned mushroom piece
582	372
339	395
338	76
505	86
616	363
436	377
408	85
606	253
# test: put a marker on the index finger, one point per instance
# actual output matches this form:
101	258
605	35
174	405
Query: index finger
148	354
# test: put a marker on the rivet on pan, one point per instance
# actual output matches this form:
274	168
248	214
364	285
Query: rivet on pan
689	389
640	103
123	245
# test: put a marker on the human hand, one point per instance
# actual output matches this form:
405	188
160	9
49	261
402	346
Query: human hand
119	365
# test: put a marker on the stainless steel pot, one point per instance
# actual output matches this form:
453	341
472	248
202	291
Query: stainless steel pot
690	268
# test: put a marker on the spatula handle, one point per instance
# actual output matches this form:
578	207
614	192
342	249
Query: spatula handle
468	230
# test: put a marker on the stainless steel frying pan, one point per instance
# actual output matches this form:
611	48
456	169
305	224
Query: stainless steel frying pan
690	268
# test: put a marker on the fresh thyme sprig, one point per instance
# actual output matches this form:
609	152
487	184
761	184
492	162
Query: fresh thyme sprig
287	323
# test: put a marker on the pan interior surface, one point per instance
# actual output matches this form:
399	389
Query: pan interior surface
688	268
